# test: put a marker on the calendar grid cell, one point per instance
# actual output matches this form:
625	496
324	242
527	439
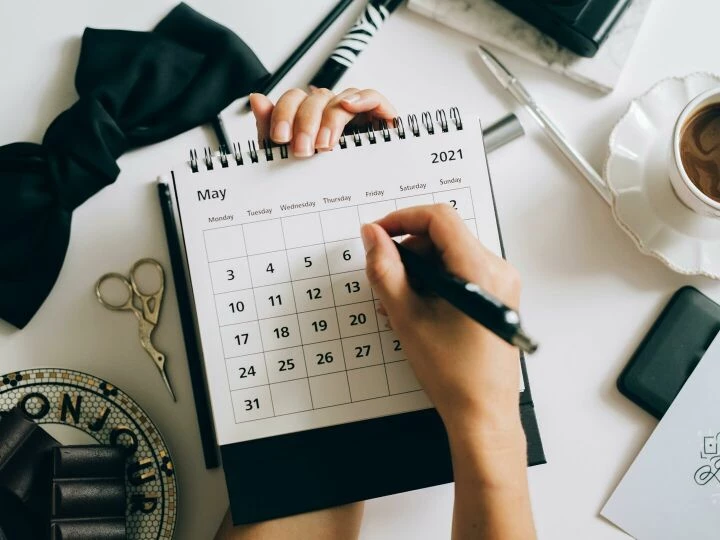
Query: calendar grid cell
472	202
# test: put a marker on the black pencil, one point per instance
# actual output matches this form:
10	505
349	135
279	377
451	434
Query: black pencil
469	298
192	347
353	42
302	48
222	135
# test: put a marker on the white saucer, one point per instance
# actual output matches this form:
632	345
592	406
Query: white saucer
644	203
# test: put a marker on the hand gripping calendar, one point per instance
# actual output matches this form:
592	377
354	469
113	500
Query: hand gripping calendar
313	399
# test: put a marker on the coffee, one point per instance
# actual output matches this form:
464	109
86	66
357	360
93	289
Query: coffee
700	150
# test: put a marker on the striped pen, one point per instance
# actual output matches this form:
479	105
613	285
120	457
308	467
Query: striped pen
354	42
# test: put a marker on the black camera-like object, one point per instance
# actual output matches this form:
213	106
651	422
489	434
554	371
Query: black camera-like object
580	25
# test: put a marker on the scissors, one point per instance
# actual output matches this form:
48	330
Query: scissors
145	306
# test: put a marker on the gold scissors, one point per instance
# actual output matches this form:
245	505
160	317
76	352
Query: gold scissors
145	306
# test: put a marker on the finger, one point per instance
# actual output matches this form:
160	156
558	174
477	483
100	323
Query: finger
369	101
334	120
262	108
422	245
439	222
283	115
460	251
386	272
307	121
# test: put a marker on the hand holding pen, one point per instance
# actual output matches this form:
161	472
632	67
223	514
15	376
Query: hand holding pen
467	371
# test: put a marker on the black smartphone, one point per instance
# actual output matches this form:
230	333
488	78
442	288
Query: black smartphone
670	351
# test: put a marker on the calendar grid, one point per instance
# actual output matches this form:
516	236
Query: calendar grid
295	292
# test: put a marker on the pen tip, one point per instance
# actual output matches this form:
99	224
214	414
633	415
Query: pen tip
486	55
524	342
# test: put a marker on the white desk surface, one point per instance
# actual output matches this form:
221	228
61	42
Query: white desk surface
589	295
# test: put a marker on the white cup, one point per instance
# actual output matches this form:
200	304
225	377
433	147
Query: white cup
684	188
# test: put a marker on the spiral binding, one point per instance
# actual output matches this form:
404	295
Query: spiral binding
372	134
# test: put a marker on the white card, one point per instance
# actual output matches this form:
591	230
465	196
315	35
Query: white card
672	489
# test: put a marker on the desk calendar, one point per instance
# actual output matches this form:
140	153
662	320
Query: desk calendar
292	342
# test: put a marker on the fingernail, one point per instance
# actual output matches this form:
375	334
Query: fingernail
323	138
303	146
281	132
368	237
352	98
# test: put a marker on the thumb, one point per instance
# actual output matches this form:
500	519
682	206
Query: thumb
262	108
385	270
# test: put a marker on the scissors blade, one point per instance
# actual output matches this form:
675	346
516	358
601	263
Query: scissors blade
158	358
167	383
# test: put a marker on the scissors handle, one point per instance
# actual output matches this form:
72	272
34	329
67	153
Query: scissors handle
127	305
151	302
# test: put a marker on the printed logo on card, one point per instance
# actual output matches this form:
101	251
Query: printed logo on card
710	454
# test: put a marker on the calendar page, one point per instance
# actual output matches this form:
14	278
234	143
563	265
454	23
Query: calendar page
290	332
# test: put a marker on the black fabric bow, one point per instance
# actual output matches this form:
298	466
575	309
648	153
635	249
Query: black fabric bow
135	88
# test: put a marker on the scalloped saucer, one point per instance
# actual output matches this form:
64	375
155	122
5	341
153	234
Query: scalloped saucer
644	203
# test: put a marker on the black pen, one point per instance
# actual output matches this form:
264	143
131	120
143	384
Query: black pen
298	53
354	42
469	298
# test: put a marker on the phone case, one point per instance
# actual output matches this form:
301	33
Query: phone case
670	351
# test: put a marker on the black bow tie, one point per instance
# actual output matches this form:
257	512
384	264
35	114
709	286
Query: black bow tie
135	88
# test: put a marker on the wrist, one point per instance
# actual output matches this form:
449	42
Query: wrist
495	456
484	420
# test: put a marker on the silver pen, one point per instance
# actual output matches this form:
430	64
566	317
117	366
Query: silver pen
520	93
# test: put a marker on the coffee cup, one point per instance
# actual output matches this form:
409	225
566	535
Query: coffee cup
694	162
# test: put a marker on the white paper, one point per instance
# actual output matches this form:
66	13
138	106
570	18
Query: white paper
672	489
288	324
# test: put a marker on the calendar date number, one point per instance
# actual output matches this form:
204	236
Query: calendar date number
252	404
446	155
